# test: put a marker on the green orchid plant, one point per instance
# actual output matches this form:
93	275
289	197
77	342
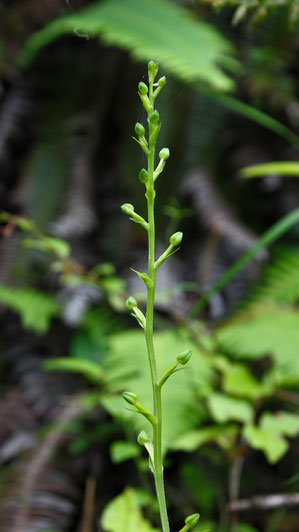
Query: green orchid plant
148	176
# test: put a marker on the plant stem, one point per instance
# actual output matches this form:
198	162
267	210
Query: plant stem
157	427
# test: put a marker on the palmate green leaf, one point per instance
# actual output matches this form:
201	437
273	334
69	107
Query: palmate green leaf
36	309
271	443
282	422
160	29
265	329
222	435
123	514
126	368
239	381
224	408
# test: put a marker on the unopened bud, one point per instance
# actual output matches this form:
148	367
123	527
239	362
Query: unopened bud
176	238
154	117
164	153
130	397
162	81
152	69
192	520
143	438
127	208
139	129
142	88
143	175
184	357
131	303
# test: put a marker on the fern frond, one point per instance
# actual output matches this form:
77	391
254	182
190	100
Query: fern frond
281	278
36	309
264	329
189	49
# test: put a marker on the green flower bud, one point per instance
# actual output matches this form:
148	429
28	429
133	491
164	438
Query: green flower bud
152	69
130	397
143	175
131	303
162	81
139	129
184	357
143	438
154	117
176	238
164	153
142	88
127	208
192	520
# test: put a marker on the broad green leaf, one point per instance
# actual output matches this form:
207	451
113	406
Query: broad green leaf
124	450
282	168
224	436
89	369
36	309
224	408
126	368
151	29
282	422
238	380
123	514
273	445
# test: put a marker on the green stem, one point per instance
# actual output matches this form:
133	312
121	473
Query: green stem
157	427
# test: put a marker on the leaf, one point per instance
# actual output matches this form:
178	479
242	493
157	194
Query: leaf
49	244
281	422
124	450
159	29
224	436
251	335
126	368
224	408
89	369
273	445
36	309
238	380
123	515
282	168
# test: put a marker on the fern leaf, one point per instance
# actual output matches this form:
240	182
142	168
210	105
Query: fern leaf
126	368
36	309
265	329
188	48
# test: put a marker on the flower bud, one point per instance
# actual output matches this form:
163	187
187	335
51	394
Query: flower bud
143	175
127	208
176	238
162	81
139	129
131	303
184	357
154	117
142	88
130	397
192	520
143	438
164	153
152	69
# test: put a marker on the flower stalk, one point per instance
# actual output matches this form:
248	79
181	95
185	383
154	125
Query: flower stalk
148	176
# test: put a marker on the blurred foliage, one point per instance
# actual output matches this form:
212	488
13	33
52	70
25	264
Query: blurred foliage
67	162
